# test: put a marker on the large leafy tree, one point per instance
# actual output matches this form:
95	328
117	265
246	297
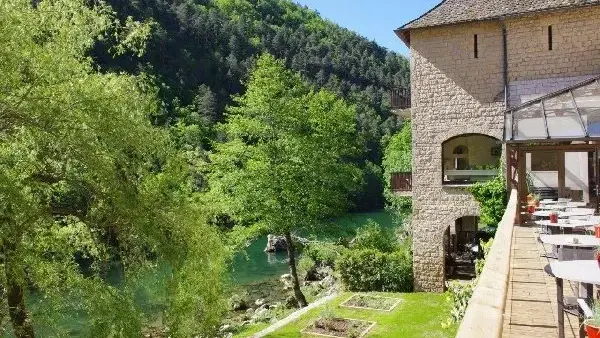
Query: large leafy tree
87	184
213	44
285	166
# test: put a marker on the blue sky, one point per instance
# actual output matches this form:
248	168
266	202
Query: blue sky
373	19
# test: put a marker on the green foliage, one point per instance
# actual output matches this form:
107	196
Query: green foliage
480	263
457	295
398	152
397	158
595	319
371	270
417	316
492	199
372	236
282	167
323	253
214	44
87	182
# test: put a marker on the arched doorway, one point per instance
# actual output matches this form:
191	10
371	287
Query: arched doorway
461	247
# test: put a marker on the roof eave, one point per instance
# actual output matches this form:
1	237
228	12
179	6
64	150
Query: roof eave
404	35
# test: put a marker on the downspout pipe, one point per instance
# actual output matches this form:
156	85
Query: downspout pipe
505	66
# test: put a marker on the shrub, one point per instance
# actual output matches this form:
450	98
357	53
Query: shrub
371	270
458	295
306	265
480	263
492	199
324	254
372	236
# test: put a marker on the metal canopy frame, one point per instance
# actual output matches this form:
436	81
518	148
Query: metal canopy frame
509	116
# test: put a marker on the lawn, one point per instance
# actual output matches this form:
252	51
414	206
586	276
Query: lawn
417	315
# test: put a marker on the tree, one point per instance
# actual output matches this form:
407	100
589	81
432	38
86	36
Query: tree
284	167
398	158
87	184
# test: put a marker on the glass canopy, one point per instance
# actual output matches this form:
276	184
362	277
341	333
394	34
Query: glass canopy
572	113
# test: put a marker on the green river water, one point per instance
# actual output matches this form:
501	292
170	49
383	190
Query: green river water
257	265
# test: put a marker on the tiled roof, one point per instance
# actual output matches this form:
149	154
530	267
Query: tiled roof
456	11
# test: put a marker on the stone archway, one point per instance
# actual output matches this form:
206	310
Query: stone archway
461	247
430	246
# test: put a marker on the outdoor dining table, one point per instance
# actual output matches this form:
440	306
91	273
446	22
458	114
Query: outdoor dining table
562	214
584	241
561	206
548	201
585	272
567	225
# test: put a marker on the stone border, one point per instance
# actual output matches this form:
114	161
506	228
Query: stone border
398	301
293	316
484	316
364	333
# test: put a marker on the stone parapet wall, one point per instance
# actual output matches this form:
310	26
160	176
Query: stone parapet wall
484	314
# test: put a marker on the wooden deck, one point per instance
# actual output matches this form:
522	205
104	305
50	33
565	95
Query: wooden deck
531	298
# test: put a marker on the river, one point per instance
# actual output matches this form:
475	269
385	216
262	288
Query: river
256	265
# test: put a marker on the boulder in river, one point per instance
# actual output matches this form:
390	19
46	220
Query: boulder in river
276	243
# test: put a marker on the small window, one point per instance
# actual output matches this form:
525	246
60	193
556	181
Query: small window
475	47
549	37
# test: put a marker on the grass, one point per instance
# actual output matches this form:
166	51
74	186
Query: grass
418	315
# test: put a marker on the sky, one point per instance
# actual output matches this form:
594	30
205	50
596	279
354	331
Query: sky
373	19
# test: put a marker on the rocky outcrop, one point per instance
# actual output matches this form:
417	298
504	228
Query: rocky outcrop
276	243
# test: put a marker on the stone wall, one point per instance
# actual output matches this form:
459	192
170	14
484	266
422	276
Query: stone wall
575	48
454	93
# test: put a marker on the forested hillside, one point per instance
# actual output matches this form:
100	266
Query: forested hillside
201	50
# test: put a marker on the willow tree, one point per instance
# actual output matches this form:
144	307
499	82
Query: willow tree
87	183
285	166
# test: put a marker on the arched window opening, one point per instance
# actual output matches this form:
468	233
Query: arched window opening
470	158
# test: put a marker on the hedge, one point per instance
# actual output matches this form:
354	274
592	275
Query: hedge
371	270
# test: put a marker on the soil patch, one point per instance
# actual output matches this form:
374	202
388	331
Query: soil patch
371	302
339	327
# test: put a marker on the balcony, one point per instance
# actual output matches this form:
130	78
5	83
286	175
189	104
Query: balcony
402	183
400	98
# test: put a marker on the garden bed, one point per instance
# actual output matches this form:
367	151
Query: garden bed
371	302
339	327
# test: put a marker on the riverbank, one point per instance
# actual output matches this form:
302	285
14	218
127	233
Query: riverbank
262	272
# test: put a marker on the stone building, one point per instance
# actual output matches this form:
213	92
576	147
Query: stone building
471	60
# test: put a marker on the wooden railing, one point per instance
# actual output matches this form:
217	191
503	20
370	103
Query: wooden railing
485	314
400	98
401	182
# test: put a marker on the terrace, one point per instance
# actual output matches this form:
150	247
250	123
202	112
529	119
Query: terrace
524	291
